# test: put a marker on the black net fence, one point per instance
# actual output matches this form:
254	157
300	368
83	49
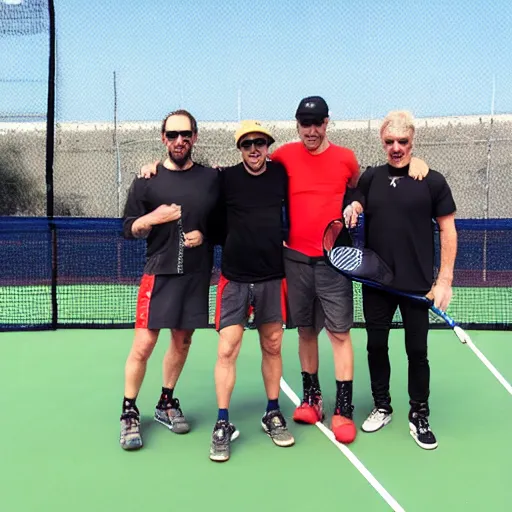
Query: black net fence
80	114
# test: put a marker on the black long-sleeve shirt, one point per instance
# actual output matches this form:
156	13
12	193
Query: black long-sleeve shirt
196	190
255	216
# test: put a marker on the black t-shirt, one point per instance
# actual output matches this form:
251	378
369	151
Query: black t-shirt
196	190
399	220
256	223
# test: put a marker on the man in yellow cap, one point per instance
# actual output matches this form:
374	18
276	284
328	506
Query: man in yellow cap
253	194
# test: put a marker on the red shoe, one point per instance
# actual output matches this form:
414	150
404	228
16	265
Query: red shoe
309	411
343	428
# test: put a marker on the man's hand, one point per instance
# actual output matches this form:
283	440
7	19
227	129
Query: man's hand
148	170
418	169
442	294
351	212
165	213
193	238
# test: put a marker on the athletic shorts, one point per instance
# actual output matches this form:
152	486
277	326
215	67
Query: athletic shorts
318	296
237	302
173	301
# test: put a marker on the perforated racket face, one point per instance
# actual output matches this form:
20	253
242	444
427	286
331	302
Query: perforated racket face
347	259
331	234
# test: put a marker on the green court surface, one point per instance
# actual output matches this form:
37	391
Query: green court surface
60	405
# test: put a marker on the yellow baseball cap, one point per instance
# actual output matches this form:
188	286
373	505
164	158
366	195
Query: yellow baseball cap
251	126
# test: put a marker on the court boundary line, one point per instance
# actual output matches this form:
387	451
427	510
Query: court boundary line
487	363
365	472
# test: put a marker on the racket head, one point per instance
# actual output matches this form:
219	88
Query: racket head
335	235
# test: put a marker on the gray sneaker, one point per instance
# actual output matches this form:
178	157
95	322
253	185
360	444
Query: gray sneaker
170	415
274	425
130	438
223	434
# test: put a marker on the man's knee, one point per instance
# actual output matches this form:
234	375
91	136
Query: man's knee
271	340
181	339
144	343
230	340
308	334
339	337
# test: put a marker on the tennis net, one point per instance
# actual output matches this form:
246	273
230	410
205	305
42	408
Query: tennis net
81	273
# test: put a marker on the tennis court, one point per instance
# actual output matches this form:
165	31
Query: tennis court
61	398
62	390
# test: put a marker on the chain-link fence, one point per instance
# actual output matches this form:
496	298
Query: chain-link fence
84	86
95	164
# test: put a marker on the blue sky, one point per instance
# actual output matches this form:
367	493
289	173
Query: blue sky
365	57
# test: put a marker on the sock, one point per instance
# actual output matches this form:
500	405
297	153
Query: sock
273	405
310	383
165	397
343	392
223	415
129	403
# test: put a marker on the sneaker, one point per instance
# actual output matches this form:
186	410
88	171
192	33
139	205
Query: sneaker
343	426
223	434
274	425
171	415
377	419
130	438
310	410
420	431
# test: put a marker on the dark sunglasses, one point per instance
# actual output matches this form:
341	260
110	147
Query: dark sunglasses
402	142
173	134
306	123
259	143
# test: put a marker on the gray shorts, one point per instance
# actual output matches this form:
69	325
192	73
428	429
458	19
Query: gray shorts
237	303
317	295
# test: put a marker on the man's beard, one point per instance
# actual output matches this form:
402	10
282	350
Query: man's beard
182	160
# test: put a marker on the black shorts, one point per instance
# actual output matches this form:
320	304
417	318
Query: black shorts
237	302
173	301
318	296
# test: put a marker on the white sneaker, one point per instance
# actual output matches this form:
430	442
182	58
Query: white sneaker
377	419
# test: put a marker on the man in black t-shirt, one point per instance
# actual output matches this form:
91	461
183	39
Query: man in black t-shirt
253	197
171	210
399	226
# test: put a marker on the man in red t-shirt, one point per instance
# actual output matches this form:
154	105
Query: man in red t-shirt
319	174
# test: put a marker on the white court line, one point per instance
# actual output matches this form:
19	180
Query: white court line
489	365
350	456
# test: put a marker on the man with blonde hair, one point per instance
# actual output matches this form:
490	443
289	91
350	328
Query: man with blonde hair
399	226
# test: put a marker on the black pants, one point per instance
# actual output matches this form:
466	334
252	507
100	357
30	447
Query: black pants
379	308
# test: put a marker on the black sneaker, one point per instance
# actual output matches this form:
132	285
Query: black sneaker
220	447
274	425
420	430
169	413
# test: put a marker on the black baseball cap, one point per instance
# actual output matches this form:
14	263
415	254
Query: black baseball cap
312	107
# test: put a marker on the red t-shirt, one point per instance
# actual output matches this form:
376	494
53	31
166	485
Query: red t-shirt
316	185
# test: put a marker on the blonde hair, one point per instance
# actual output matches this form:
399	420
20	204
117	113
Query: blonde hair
398	122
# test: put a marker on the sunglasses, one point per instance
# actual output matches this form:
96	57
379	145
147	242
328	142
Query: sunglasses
306	123
173	134
259	143
402	142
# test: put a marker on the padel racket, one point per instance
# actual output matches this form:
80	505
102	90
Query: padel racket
346	255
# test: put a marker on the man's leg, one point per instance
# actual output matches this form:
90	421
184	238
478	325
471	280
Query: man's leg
168	410
379	308
232	311
336	298
416	325
135	369
273	422
303	312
